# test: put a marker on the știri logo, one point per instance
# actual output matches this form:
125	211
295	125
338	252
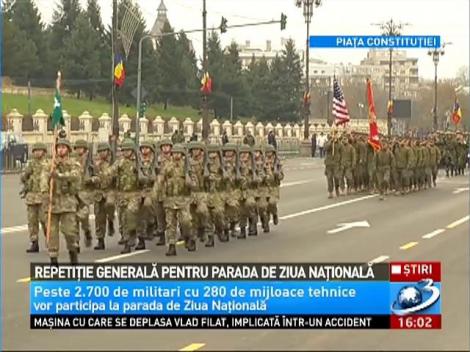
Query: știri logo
412	299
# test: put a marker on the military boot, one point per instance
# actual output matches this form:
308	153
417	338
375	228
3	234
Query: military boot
210	241
330	195
253	227
337	192
161	239
100	245
266	227
190	245
54	261
73	257
127	249
275	219
33	247
233	232
171	250
227	233
140	245
88	238
242	234
222	236
110	228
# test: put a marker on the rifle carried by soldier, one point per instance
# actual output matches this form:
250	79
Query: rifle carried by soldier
90	169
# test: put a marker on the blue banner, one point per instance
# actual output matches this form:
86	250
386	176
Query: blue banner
375	41
209	297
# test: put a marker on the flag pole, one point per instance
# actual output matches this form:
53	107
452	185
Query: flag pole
51	181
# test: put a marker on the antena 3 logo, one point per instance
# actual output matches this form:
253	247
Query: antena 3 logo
414	298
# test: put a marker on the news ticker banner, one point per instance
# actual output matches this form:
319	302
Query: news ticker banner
375	41
398	295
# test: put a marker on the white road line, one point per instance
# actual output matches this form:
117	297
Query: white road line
326	207
120	256
295	183
380	259
432	234
458	222
408	245
14	229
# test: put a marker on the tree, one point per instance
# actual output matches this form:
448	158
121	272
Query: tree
234	83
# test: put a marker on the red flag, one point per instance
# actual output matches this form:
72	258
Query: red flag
206	82
119	71
456	113
373	128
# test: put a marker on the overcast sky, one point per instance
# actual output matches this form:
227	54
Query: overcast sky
447	18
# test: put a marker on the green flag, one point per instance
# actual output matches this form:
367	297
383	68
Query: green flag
57	117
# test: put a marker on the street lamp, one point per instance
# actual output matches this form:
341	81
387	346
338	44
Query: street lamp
307	6
436	54
391	29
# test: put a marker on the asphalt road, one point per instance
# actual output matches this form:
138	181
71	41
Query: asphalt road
397	227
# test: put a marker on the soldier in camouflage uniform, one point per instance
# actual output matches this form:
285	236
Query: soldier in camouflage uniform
198	204
348	164
412	162
247	191
426	154
274	176
104	195
175	183
163	158
67	179
462	152
385	162
146	226
124	172
435	158
371	169
333	151
31	180
261	190
361	163
85	196
231	189
214	186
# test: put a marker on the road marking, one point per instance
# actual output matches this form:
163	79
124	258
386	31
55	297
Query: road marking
25	279
460	190
458	222
349	225
380	259
408	245
14	229
295	183
434	233
326	207
193	347
110	259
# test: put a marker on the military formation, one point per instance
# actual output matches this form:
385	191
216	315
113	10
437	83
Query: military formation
193	193
402	164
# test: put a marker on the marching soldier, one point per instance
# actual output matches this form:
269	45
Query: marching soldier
247	192
163	158
104	195
125	173
348	164
371	169
333	151
175	183
274	176
146	176
214	186
260	190
198	204
385	162
31	180
66	185
435	159
231	189
85	196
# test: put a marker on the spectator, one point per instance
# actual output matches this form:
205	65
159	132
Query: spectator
174	137
272	139
224	137
314	144
249	139
321	140
193	137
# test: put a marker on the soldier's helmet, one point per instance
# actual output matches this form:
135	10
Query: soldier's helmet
269	149
148	144
80	143
103	146
244	149
196	145
65	142
165	142
229	147
213	148
39	146
128	144
258	148
178	148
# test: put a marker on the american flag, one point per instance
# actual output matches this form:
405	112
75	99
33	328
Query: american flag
340	110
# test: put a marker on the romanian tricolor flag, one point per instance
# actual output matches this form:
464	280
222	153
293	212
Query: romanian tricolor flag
119	72
307	98
390	107
456	113
373	128
206	82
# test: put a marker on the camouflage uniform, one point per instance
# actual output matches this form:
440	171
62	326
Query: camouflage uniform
124	171
247	191
67	180
198	203
435	158
31	180
348	164
146	221
412	161
426	154
175	186
401	163
385	162
231	189
85	195
261	191
159	195
333	151
214	186
104	196
274	176
371	169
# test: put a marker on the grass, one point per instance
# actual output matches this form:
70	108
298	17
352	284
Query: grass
96	107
